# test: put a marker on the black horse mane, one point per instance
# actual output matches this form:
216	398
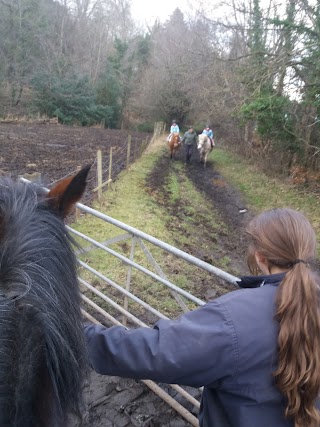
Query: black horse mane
42	348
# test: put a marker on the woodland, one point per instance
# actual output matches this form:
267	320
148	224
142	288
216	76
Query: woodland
251	72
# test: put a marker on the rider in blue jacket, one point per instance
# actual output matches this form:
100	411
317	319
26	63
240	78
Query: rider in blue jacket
209	132
173	129
248	348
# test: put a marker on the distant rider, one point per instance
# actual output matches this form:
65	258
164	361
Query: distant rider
174	129
209	132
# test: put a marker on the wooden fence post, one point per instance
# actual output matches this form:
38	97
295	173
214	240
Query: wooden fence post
99	174
110	168
128	152
135	150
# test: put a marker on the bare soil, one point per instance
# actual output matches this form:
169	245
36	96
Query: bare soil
55	151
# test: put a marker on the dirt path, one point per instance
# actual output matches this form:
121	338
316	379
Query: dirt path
229	203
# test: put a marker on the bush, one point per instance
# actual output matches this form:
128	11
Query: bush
109	94
146	127
273	118
71	99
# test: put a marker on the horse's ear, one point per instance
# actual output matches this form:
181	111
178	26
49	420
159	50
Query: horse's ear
68	192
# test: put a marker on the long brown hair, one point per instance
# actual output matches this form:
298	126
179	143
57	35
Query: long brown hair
287	240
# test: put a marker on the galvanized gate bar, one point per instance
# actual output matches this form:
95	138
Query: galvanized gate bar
118	307
123	291
108	242
173	403
139	267
128	280
158	269
165	246
100	310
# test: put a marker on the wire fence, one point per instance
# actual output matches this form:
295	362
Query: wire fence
118	158
121	156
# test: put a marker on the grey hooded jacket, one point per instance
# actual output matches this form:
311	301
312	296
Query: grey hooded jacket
229	346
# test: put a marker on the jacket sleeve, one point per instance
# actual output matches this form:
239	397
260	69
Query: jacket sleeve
197	349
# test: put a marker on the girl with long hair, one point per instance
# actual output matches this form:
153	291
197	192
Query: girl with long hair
256	350
283	240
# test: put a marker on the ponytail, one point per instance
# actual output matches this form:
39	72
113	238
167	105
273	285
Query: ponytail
298	372
286	240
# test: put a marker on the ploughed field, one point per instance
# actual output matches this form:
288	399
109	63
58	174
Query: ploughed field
55	151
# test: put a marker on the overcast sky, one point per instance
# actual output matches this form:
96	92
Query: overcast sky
147	11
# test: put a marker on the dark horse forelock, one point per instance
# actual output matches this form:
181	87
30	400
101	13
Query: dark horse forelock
42	348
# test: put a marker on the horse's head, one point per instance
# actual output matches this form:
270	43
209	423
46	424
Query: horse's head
202	138
43	352
175	139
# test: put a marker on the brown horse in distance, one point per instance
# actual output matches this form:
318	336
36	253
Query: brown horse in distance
174	144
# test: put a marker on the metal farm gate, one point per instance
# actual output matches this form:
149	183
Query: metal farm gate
93	298
137	238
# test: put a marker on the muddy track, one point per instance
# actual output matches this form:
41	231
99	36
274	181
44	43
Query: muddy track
225	199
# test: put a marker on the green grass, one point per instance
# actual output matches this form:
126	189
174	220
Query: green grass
263	192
